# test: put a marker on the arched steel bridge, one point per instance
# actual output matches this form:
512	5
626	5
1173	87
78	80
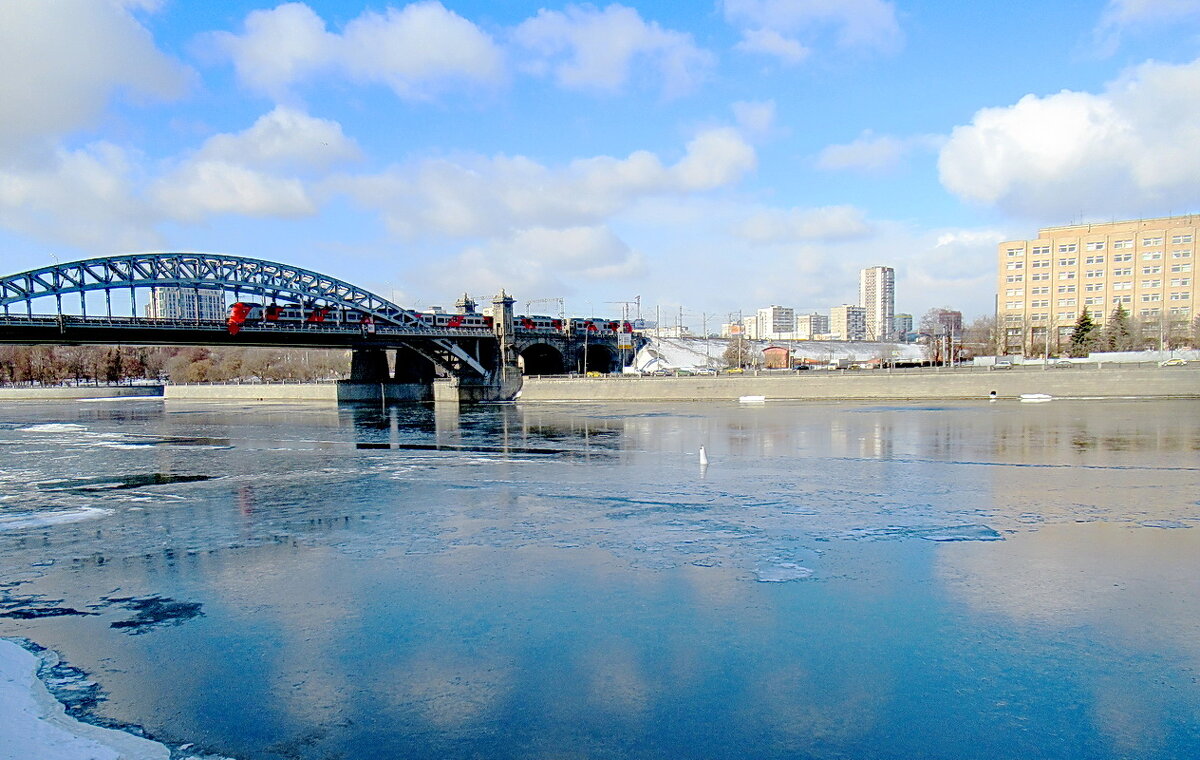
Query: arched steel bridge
459	352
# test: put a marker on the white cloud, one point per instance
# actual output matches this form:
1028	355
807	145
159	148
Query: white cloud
827	224
589	48
490	197
1123	17
772	43
64	60
1127	151
777	27
85	198
245	173
755	117
540	260
284	138
873	153
416	50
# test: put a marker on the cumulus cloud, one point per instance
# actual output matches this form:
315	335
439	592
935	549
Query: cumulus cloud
827	224
494	196
416	50
873	153
64	60
1122	15
1125	151
247	173
541	260
588	48
284	138
777	27
755	117
86	198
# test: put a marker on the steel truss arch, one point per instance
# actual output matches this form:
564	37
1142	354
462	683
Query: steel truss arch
200	270
238	274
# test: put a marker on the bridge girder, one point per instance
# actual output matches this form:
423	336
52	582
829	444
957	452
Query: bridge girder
237	274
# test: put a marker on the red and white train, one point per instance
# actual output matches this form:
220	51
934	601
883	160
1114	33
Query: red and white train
248	313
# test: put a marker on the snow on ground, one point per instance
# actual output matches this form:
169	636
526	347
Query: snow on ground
34	725
695	353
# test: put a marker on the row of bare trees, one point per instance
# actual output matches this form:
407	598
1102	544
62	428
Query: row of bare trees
57	365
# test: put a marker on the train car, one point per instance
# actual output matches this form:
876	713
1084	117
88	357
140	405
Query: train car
538	323
456	321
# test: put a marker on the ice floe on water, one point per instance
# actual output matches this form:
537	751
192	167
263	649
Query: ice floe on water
782	572
54	427
26	520
959	533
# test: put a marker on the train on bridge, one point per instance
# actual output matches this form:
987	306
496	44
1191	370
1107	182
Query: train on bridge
248	313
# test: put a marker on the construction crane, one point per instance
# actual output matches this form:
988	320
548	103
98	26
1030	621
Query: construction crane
562	307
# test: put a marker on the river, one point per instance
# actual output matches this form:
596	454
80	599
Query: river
959	580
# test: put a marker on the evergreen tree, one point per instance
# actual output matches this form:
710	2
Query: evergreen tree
1082	338
1117	334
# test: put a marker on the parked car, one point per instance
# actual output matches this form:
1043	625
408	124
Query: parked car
1173	362
1062	363
1003	364
734	371
593	373
706	371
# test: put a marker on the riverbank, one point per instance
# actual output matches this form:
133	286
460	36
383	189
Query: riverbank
42	393
879	385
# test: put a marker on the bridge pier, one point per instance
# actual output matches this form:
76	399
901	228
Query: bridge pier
370	381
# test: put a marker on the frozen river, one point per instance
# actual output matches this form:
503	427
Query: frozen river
970	580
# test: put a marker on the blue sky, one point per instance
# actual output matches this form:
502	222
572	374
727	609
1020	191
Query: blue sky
712	156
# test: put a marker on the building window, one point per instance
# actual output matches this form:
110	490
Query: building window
1181	267
1040	264
1180	311
1151	270
1066	262
1040	250
1151	255
1180	297
1014	278
1093	287
1037	276
1095	245
1095	274
1014	305
1181	282
1151	241
1122	244
1014	292
1094	260
1121	286
1151	283
1148	297
1068	248
1066	288
1066	275
1119	257
1016	265
1039	304
1065	316
1040	291
1122	272
1148	313
1037	317
1016	251
1066	302
1177	239
1181	254
1122	299
1093	300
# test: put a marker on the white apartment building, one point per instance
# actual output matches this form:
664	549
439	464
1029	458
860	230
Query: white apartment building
848	322
775	323
877	294
809	326
187	303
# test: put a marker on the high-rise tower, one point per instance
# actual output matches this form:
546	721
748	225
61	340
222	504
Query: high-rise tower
877	294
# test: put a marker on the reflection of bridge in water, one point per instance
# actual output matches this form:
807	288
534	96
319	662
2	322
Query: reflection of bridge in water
482	357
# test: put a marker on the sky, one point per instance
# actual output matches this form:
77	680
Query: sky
701	158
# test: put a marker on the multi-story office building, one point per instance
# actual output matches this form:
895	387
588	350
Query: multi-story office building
776	322
1147	266
187	303
808	326
902	325
877	294
848	322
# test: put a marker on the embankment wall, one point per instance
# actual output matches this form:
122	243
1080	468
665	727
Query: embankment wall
1165	382
43	394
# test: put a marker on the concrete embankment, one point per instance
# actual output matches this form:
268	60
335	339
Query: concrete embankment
877	385
282	392
44	394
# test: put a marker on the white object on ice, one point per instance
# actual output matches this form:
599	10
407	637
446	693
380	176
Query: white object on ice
33	724
703	458
752	399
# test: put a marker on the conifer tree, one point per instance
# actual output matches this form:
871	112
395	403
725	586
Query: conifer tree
1117	334
1082	337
